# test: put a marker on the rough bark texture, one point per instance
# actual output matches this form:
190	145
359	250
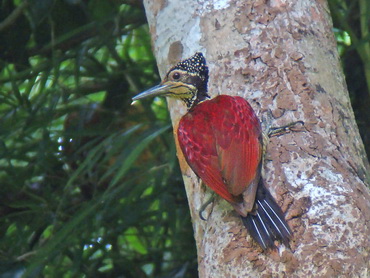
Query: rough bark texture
281	56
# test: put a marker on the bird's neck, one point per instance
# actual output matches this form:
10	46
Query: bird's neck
201	96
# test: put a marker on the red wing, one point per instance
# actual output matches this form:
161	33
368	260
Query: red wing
199	148
220	141
238	135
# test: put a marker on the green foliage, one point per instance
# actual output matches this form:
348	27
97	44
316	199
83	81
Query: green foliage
90	184
351	19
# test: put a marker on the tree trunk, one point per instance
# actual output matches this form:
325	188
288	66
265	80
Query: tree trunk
281	56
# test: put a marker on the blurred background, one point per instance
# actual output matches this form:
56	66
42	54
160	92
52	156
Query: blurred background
89	184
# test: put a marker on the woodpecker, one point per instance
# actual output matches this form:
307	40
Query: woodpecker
222	141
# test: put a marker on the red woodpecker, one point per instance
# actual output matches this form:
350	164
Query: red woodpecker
222	141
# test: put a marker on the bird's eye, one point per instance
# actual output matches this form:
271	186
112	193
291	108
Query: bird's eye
176	75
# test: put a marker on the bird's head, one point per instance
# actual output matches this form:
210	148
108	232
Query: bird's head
186	81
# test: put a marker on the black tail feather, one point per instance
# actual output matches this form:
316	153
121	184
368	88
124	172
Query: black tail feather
266	223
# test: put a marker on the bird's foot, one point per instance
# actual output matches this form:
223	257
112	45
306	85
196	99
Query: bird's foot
204	206
292	127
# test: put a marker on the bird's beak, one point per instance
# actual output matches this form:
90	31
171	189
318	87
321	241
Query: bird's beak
159	90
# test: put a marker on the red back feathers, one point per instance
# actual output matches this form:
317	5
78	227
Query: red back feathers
221	140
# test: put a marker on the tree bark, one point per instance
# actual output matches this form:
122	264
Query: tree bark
281	56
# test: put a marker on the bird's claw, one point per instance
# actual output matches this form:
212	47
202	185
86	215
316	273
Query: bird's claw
292	127
204	206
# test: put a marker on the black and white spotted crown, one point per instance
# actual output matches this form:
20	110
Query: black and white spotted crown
196	64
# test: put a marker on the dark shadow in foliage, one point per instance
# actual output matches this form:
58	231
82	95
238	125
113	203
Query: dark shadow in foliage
90	185
352	28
